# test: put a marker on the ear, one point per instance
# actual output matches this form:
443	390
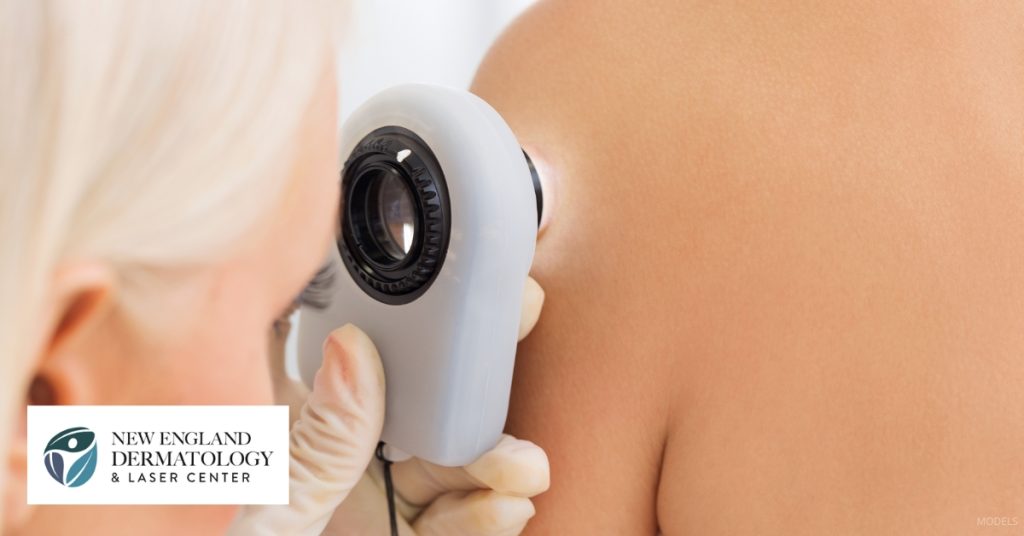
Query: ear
81	296
80	305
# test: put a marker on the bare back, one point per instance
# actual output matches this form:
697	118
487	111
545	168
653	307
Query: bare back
786	273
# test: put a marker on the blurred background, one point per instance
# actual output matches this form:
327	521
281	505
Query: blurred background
389	42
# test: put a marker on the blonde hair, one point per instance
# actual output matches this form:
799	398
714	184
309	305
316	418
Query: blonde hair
140	133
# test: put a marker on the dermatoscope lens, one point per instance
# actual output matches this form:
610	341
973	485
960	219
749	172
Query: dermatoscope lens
396	214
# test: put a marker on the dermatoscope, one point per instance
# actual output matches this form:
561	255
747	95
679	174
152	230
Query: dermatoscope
440	209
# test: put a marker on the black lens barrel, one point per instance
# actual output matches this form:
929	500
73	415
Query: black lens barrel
374	264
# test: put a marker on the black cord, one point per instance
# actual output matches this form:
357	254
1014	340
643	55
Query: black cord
389	488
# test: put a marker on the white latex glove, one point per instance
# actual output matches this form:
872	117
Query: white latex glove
335	436
490	496
332	441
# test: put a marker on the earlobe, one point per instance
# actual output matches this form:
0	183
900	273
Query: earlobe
15	492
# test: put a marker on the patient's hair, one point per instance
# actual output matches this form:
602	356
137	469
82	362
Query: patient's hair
145	134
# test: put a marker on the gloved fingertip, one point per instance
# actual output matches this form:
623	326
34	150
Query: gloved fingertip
497	511
533	302
347	339
351	356
479	512
515	467
534	292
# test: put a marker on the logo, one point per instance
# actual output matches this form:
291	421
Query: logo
74	449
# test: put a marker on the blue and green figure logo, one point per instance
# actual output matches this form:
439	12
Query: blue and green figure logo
74	449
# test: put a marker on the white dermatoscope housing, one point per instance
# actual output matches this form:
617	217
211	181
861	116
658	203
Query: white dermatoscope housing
439	214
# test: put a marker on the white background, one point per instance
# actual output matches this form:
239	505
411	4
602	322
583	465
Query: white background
390	42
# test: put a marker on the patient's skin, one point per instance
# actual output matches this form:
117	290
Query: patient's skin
785	280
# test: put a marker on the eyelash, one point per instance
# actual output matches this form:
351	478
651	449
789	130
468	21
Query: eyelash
317	293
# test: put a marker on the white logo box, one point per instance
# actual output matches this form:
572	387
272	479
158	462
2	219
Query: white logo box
158	455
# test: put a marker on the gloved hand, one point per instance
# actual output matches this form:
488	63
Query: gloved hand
336	434
331	442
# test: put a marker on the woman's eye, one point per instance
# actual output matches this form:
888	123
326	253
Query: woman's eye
317	293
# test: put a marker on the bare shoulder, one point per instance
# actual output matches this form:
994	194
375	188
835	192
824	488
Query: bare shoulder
784	278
